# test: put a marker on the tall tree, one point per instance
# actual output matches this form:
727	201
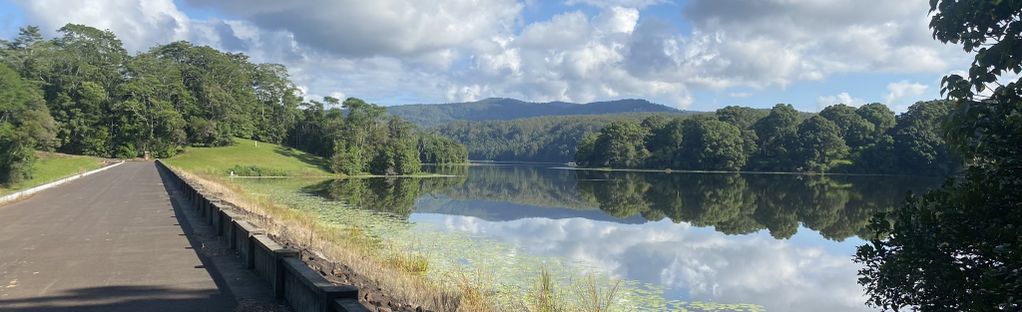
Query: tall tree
664	143
621	145
25	124
712	144
221	85
87	65
586	151
776	133
879	115
958	248
399	154
146	118
820	145
857	132
438	149
277	110
919	140
744	118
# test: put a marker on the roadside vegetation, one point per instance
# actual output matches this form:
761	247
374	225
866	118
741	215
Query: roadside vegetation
82	93
50	167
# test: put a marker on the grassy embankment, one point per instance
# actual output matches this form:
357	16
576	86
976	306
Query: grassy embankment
54	166
378	263
398	274
251	158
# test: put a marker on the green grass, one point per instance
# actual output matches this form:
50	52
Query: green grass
253	157
51	167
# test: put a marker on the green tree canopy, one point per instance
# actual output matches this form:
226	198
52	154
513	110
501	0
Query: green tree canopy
919	140
25	124
857	132
776	133
820	145
958	248
712	144
622	145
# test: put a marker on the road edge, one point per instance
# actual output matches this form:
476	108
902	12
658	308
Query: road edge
6	199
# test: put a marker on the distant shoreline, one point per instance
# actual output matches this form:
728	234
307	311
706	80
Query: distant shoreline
668	171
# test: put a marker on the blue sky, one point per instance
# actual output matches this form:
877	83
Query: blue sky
695	54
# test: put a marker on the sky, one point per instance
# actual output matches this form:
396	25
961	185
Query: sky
689	54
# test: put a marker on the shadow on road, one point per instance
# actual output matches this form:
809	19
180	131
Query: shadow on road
119	298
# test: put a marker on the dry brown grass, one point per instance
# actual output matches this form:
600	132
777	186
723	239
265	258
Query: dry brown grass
591	297
399	275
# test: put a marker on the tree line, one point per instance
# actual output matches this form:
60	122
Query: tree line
82	93
841	138
360	137
536	139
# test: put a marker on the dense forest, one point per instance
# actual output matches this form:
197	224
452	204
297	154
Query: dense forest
537	139
82	93
428	115
841	138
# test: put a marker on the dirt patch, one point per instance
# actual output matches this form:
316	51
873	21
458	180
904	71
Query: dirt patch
371	295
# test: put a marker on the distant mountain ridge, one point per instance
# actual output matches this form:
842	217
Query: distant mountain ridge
506	109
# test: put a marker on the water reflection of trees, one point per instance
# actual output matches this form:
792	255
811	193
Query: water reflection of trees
521	184
391	195
836	207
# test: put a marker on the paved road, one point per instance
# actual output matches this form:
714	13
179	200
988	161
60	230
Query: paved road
114	241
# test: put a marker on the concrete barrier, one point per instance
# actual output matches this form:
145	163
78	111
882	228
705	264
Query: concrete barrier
245	242
304	289
349	305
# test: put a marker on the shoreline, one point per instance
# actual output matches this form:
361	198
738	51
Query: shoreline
669	171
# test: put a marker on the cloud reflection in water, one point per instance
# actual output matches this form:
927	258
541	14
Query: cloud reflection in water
805	273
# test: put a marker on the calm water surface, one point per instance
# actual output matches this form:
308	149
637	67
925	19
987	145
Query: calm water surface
775	242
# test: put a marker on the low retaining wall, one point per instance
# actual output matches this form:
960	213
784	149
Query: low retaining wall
292	280
22	194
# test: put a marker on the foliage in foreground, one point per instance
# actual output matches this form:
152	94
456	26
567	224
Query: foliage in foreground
25	125
959	248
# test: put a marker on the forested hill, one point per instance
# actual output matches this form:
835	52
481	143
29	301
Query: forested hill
539	139
505	109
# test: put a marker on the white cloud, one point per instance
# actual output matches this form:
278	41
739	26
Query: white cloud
616	3
397	51
139	24
618	20
840	98
399	28
897	91
776	42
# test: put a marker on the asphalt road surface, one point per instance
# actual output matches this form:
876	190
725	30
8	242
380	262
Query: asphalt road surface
118	240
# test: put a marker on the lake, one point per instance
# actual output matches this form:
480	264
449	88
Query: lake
676	241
